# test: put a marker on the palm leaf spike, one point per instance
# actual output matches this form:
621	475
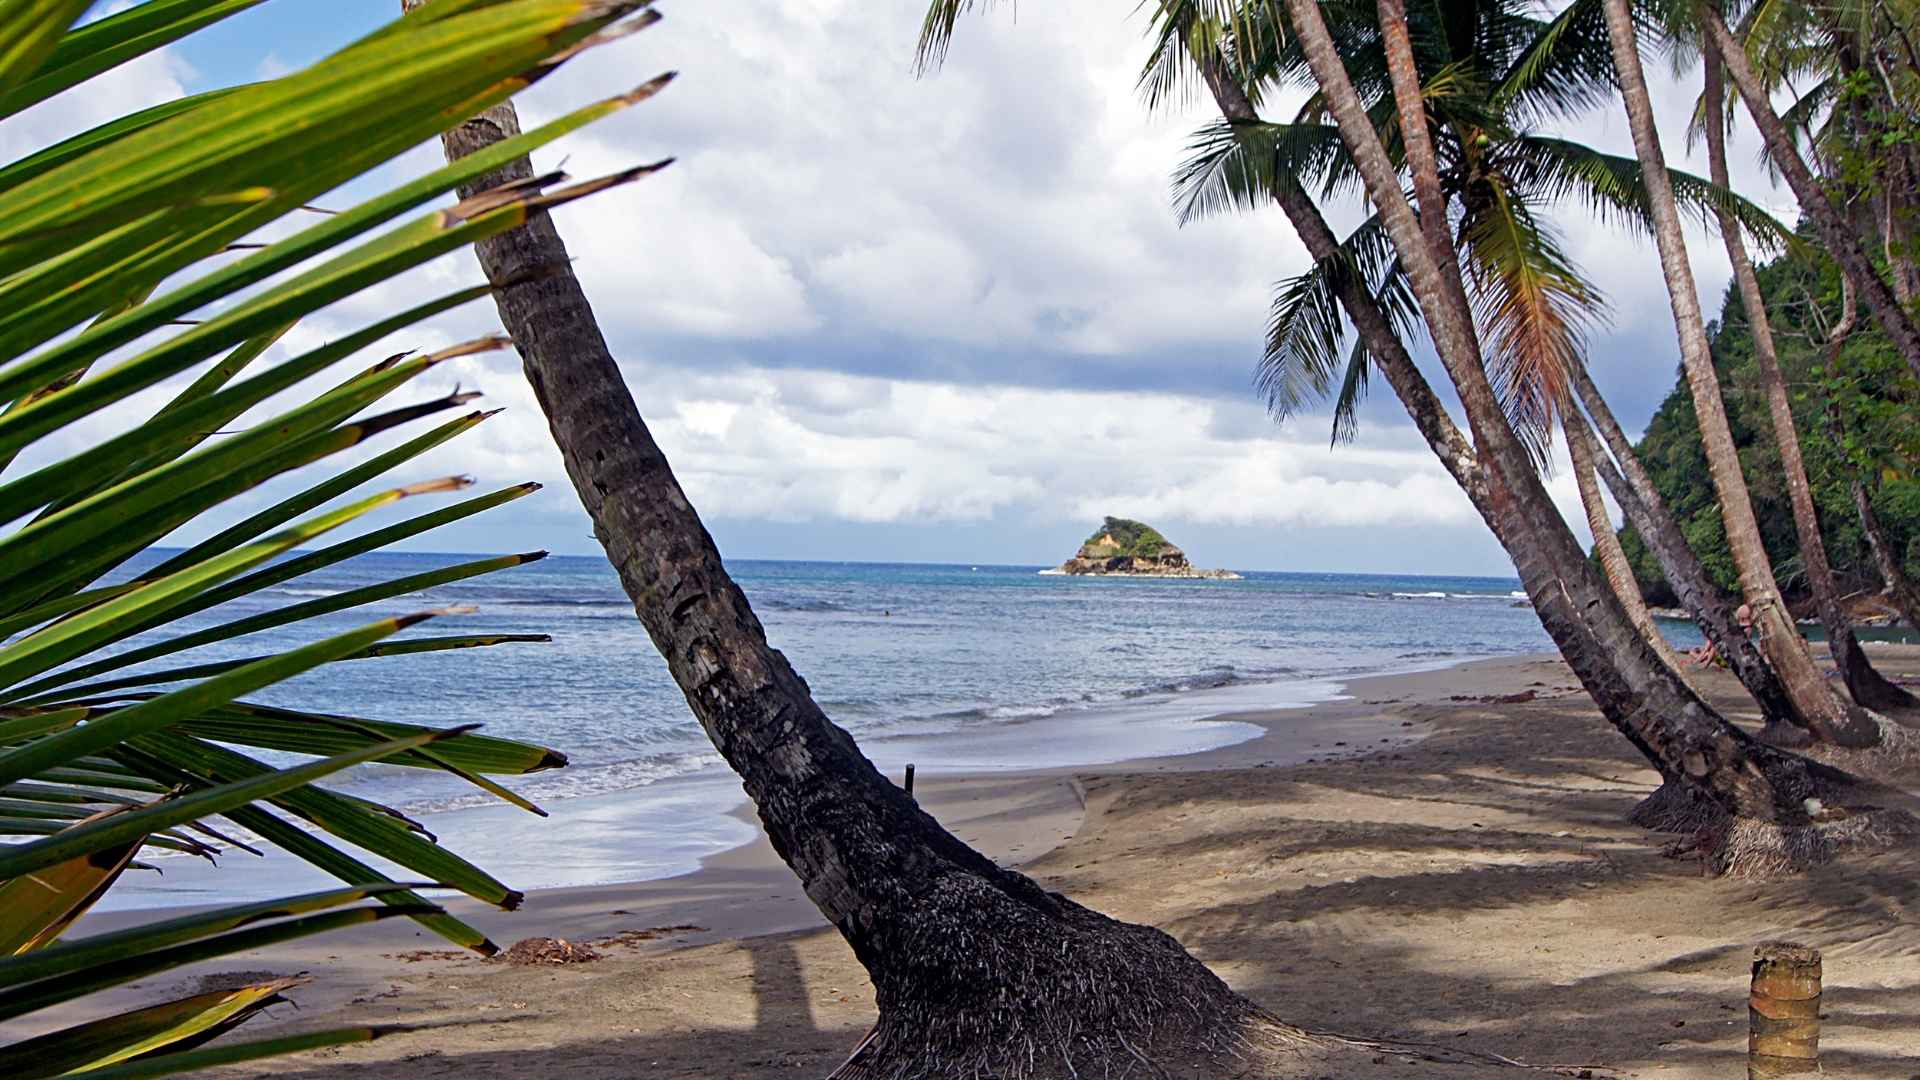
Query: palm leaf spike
90	227
37	908
185	1023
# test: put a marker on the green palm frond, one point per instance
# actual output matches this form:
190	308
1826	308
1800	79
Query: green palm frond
1239	166
110	289
1533	309
1547	169
1564	67
1306	353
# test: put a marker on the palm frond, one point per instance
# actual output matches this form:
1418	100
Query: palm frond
1544	169
1238	165
105	247
1533	309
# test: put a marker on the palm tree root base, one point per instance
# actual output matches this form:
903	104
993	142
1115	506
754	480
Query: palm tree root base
1749	848
1837	815
981	983
1677	807
984	985
1895	758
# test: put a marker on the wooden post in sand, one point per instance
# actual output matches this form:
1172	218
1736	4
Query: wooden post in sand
909	778
1783	1011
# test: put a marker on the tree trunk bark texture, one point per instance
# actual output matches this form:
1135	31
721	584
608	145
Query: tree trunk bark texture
1606	545
1831	720
1711	608
978	971
1865	683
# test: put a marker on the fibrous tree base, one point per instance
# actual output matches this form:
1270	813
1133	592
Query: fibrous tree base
1749	848
987	986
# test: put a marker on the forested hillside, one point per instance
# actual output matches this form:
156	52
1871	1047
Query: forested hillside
1853	421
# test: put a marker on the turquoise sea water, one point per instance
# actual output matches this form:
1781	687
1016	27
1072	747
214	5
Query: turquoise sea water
954	667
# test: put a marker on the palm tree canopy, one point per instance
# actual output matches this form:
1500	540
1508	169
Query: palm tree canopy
1493	73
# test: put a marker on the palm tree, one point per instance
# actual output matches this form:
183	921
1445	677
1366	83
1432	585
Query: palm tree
1492	175
1303	350
978	970
1500	176
1646	699
1606	544
125	264
1832	720
1867	686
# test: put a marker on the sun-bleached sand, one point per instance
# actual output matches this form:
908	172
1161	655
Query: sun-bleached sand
1440	857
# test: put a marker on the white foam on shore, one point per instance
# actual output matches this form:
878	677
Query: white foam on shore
669	826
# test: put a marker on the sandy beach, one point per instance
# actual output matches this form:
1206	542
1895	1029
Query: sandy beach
1439	857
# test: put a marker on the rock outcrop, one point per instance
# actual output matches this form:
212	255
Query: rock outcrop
1132	549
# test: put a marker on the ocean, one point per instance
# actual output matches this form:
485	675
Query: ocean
954	668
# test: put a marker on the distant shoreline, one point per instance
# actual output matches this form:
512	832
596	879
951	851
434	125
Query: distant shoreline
1197	575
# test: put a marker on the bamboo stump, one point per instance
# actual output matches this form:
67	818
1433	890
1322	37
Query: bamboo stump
1783	1011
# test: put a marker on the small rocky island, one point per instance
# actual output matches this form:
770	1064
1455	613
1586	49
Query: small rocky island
1125	548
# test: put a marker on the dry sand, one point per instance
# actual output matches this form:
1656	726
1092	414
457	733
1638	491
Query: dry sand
1468	881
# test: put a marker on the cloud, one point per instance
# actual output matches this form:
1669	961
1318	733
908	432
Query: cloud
157	77
865	297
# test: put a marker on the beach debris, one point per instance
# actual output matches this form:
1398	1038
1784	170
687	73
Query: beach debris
547	950
417	955
1519	698
651	933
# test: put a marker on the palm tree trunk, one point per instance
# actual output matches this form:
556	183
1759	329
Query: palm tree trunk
1867	686
1410	103
1831	720
1644	698
1606	545
1842	242
977	970
1711	608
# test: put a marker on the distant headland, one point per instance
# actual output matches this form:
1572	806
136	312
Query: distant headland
1124	548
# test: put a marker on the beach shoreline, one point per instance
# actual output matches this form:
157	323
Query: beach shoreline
1471	870
671	827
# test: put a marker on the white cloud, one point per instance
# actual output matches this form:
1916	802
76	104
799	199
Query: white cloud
857	295
157	77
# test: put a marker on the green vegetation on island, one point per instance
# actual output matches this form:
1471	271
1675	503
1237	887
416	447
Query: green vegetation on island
1125	537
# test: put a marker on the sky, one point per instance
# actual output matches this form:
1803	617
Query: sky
879	316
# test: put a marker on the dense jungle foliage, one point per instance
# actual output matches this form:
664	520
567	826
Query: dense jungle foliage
1854	421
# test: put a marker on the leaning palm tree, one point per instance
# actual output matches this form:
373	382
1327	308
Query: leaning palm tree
126	265
1546	550
1865	683
1759	793
1494	78
1838	726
